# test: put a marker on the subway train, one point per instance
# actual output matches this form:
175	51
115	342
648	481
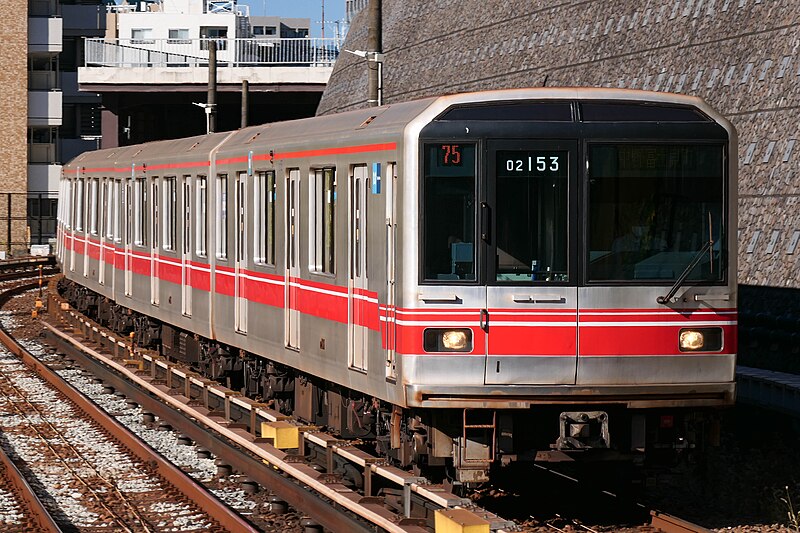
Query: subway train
465	281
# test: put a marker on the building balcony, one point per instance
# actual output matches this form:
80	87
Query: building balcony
42	80
43	178
45	35
120	62
41	153
44	108
84	19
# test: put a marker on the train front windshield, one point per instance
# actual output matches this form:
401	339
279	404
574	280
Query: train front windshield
652	208
647	213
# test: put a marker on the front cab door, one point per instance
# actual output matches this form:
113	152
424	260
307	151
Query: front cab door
529	234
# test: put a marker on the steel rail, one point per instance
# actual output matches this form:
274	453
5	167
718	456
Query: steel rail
197	409
320	509
671	524
40	516
74	469
216	509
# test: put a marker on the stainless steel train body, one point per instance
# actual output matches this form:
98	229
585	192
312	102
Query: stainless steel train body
486	252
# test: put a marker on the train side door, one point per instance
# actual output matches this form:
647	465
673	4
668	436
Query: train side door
130	216
292	275
186	248
240	260
155	270
528	225
389	313
102	220
357	293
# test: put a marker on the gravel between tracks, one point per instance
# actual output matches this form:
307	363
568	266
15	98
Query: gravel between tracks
256	507
740	491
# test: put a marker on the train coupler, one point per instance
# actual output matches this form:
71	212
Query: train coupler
583	430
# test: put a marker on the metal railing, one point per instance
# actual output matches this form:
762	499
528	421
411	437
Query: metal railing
194	52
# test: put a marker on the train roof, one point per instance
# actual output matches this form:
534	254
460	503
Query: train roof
339	129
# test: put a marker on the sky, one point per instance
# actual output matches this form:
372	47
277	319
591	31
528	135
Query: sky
311	9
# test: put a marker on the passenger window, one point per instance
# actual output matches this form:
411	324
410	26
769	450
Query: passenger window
264	220
532	215
201	225
79	205
449	212
156	213
322	225
108	206
222	216
117	201
170	222
140	212
93	206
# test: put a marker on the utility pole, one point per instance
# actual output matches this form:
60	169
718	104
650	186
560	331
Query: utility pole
245	101
211	110
375	47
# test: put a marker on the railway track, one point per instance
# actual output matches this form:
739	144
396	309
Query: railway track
308	473
231	428
92	473
21	510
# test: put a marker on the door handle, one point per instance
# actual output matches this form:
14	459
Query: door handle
544	299
484	323
561	300
486	221
440	298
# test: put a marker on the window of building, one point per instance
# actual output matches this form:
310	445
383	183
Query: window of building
264	230
170	213
322	207
179	36
142	36
222	216
201	225
218	33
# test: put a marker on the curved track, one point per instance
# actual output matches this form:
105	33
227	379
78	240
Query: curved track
99	465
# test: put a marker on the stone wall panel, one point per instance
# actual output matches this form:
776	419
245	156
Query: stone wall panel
742	56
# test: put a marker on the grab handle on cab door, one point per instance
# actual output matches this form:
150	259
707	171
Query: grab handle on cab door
486	221
484	323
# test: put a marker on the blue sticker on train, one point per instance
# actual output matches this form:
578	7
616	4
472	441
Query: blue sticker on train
376	178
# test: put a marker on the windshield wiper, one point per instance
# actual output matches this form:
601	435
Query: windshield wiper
688	270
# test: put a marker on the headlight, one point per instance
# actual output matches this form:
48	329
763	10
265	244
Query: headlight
700	340
454	340
447	340
691	340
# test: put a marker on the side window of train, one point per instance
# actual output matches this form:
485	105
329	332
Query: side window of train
79	205
156	220
93	206
449	212
128	212
117	201
140	212
170	212
322	222
201	223
264	218
66	213
222	216
108	207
